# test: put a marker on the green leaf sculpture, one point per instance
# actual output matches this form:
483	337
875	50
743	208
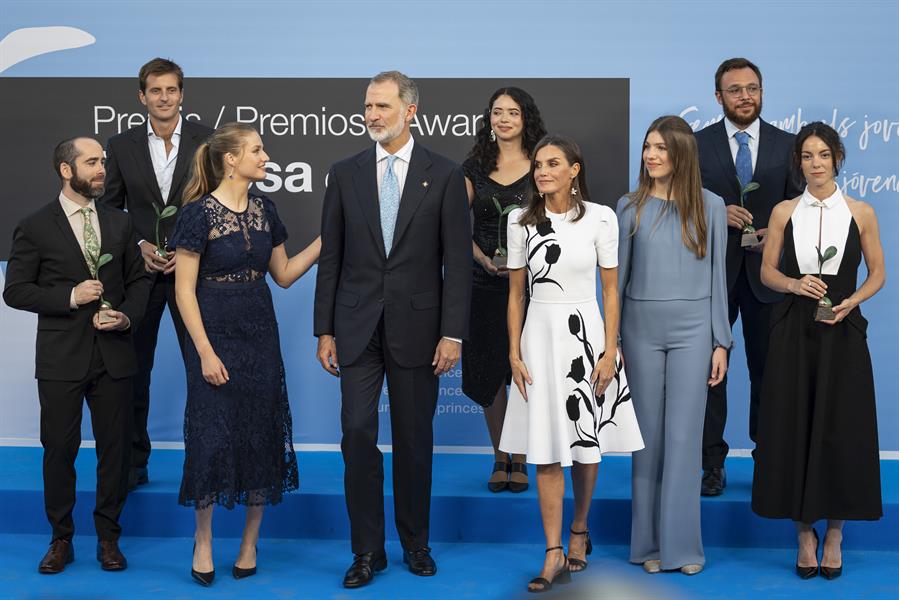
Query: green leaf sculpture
829	253
745	189
161	215
502	212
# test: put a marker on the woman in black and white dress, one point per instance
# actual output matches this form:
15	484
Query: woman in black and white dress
570	402
817	456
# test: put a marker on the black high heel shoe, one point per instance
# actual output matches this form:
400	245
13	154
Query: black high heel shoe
204	579
239	573
809	572
830	573
499	486
576	562
561	576
517	487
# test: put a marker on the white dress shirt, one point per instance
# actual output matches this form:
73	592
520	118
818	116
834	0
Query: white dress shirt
752	130
163	164
400	169
400	165
72	211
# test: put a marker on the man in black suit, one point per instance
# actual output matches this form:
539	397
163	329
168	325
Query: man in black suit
146	170
52	272
742	147
392	295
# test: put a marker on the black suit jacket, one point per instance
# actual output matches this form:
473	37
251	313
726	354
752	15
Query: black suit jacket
423	290
131	182
46	262
777	182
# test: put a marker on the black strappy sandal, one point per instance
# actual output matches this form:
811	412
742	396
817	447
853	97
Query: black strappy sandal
576	562
561	576
499	486
517	487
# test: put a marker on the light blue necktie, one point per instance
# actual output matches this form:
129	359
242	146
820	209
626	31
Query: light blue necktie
390	203
744	158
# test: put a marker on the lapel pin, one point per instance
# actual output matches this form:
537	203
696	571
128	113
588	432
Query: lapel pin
424	184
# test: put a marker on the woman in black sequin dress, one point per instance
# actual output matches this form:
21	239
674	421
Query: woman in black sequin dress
237	425
496	175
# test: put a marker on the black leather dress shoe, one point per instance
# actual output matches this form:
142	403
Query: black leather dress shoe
110	557
57	557
364	567
137	477
420	561
714	481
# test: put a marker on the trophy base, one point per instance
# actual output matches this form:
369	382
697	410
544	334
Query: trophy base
103	316
500	261
749	239
824	313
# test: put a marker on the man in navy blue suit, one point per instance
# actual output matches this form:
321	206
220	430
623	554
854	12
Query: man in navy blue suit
392	296
742	148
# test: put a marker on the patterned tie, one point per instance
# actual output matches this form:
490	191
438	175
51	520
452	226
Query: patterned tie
390	204
744	158
91	243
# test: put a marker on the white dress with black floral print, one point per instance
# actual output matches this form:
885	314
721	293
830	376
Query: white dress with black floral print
563	420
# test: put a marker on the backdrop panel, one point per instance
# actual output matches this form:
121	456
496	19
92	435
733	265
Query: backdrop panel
828	61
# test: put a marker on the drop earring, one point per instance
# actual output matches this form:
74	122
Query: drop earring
231	174
492	136
574	190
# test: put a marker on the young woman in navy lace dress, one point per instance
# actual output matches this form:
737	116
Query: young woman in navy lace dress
237	425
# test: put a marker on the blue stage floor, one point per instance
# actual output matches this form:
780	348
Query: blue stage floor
159	569
487	545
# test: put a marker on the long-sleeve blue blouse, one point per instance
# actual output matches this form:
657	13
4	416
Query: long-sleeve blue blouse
654	263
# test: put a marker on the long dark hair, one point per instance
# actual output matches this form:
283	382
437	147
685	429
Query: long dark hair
485	152
685	185
535	211
208	167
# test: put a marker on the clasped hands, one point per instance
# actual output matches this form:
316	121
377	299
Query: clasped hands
813	287
91	290
738	218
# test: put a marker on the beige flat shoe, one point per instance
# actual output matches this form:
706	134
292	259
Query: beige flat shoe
652	566
691	569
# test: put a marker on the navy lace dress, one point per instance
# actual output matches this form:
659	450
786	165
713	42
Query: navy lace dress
238	436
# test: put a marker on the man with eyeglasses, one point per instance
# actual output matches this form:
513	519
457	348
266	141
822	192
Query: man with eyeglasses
734	152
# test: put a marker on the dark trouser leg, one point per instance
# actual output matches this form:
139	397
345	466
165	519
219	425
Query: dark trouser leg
61	403
756	317
161	293
360	387
413	400
714	448
109	401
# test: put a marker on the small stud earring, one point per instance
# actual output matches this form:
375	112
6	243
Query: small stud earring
492	136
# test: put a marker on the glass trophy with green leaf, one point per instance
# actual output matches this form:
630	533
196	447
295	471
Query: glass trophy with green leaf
501	256
750	237
161	215
824	312
105	306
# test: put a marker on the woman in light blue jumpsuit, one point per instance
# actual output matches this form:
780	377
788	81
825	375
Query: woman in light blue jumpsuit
675	334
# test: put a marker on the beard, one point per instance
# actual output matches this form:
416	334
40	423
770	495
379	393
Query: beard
387	133
739	121
86	187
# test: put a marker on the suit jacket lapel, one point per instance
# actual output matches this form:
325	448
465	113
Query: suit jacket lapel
722	150
186	150
69	236
365	181
763	157
145	163
414	190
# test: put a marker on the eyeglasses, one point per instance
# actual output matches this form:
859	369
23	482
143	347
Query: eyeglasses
735	91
